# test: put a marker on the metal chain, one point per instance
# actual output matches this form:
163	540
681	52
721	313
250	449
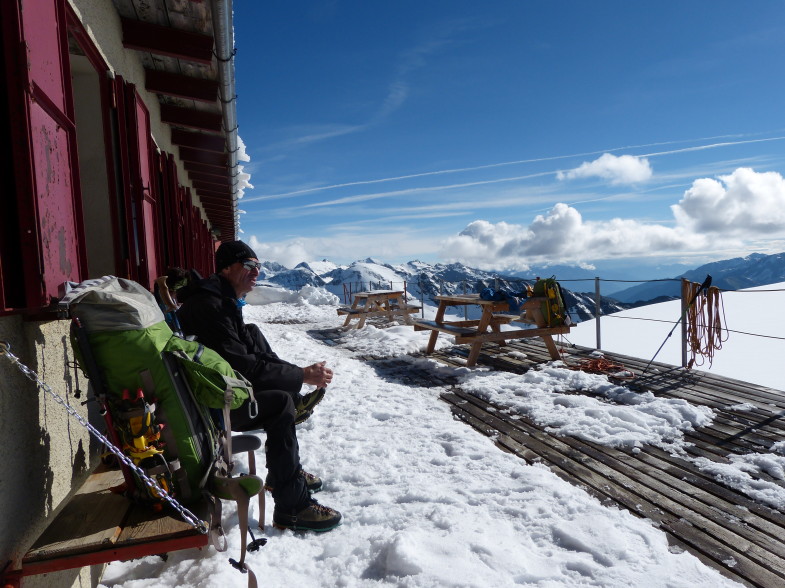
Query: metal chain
187	515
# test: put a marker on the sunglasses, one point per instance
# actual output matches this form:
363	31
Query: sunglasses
251	265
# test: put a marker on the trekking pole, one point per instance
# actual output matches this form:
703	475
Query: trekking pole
703	288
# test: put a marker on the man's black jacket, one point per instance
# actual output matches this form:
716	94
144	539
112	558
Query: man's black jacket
211	313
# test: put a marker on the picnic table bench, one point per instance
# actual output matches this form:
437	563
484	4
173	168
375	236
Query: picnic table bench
487	327
389	303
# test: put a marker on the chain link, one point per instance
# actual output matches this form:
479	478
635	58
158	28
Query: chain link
187	515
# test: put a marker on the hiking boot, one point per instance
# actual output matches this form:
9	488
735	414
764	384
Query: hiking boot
312	483
308	403
313	517
302	417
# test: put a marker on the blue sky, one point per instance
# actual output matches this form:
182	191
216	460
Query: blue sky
509	133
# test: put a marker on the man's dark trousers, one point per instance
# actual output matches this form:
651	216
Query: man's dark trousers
276	417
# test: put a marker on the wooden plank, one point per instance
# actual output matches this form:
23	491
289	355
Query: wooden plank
578	475
144	525
98	526
93	517
718	524
524	333
725	434
751	513
362	314
422	325
707	530
384	294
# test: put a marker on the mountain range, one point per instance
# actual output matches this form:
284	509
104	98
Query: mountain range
731	274
422	281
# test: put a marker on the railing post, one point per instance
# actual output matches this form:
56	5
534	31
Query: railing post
684	296
597	310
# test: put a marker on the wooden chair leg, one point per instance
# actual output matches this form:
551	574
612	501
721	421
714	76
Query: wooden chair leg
551	346
432	342
473	354
252	471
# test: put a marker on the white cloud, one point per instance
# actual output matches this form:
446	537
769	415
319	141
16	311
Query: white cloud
390	246
740	208
621	169
738	212
743	203
563	236
289	253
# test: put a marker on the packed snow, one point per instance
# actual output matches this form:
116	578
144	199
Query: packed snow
428	501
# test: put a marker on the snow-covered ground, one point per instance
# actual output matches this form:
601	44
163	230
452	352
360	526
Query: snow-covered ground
429	502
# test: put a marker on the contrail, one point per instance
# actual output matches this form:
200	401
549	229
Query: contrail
518	162
712	146
377	195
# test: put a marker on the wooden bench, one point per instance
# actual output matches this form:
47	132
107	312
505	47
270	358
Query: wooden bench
487	328
449	328
387	303
411	309
98	526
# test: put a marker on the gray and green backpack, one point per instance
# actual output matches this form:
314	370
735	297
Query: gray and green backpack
162	392
166	402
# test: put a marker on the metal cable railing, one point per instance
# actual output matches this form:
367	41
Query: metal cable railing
432	288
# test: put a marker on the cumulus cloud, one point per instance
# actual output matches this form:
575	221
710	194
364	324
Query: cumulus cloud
563	235
288	253
619	169
392	246
740	207
742	203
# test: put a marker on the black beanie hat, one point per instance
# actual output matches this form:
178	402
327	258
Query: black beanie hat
231	252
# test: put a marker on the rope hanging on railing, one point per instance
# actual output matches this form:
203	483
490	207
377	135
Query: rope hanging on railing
704	319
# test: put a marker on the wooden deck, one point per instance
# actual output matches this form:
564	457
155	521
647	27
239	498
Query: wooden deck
98	526
741	538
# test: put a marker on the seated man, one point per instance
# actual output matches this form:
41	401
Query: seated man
213	313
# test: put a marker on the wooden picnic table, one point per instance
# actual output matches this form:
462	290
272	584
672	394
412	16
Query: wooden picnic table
487	327
389	303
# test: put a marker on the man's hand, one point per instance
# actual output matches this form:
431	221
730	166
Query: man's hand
318	375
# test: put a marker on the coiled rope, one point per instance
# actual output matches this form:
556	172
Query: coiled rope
704	319
601	365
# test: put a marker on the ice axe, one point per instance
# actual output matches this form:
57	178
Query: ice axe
703	288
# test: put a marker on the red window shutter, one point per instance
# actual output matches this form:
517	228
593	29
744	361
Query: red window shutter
173	206
145	191
45	152
140	211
